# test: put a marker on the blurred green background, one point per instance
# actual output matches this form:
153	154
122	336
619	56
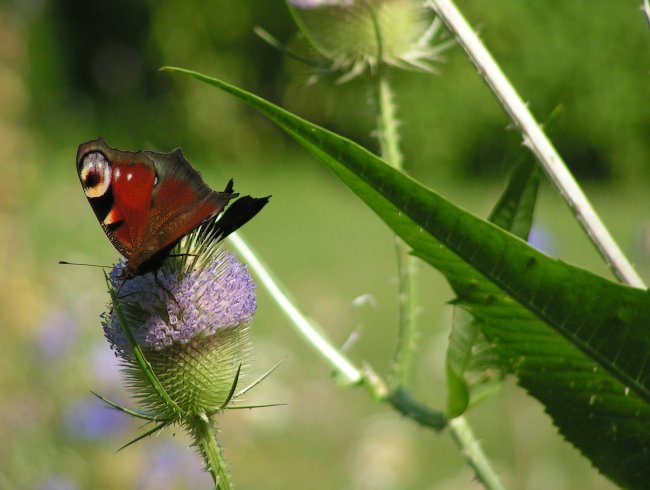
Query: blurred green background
73	70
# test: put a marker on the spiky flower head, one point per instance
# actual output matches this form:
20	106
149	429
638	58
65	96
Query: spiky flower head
355	35
191	320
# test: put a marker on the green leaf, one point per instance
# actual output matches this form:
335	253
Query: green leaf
473	368
514	210
577	342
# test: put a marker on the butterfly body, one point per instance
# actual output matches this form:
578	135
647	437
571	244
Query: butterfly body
147	201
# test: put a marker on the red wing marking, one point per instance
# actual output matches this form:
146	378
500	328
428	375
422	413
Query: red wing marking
132	185
177	204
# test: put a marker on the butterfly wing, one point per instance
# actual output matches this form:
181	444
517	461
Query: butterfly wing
180	201
145	201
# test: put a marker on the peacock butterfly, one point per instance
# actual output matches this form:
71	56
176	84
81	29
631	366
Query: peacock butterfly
147	201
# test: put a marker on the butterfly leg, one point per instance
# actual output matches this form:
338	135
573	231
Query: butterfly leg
167	291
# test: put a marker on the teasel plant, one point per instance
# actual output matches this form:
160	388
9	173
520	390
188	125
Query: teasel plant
183	337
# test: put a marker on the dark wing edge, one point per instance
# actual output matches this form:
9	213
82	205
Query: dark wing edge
234	217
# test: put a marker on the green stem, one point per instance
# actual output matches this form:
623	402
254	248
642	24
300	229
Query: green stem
387	123
462	434
206	441
407	336
387	129
404	403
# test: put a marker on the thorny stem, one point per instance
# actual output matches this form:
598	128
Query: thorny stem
387	124
205	440
462	434
388	135
538	143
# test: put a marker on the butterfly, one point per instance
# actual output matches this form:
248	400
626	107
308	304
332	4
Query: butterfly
146	202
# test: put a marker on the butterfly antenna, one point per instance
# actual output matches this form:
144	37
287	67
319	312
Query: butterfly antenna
65	262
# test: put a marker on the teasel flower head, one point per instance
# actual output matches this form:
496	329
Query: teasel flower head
359	35
191	319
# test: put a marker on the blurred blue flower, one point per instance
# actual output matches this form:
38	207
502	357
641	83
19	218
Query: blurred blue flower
56	334
57	482
90	419
105	365
169	463
542	239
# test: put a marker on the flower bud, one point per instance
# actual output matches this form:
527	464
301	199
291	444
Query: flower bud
355	34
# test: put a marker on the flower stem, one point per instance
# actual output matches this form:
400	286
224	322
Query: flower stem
404	403
462	434
387	123
388	134
537	141
205	440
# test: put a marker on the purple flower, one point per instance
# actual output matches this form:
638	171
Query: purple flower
195	305
191	318
57	334
169	465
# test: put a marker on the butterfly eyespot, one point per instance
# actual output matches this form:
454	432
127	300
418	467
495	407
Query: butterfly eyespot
95	174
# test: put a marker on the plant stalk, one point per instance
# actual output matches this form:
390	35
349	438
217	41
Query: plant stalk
539	144
387	124
462	434
205	439
388	135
